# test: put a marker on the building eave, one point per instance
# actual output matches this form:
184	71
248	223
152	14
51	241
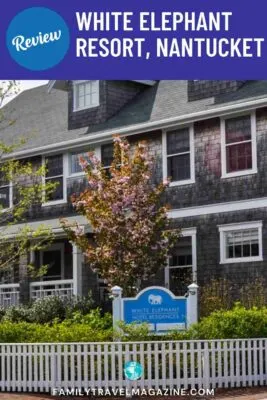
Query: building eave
144	127
11	231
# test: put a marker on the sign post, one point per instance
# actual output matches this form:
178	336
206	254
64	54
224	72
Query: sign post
116	305
192	304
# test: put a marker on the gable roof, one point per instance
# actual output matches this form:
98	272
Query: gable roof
42	117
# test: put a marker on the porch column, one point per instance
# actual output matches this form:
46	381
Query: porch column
77	270
24	279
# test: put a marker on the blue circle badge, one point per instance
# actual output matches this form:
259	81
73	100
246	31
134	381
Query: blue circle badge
133	370
38	38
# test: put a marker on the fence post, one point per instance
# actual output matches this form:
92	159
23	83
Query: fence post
206	366
192	304
116	305
54	377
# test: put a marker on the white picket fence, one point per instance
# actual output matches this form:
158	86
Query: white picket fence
174	364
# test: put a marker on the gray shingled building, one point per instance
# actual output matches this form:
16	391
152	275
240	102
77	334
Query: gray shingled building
210	137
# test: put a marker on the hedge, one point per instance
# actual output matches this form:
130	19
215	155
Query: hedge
236	323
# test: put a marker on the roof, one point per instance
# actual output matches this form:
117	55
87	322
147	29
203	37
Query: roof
42	117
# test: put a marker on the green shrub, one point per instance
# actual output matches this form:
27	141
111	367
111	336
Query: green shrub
236	323
88	328
94	319
132	332
82	305
24	332
48	309
16	314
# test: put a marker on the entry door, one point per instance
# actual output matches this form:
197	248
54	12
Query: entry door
53	258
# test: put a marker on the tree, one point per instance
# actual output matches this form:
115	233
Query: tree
26	180
132	235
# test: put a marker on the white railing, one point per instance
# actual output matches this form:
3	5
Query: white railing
61	288
9	295
189	364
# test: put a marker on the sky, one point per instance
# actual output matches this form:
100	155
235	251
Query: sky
24	85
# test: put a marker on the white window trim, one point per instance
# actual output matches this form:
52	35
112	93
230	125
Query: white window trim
253	170
185	233
54	246
75	106
236	227
192	156
64	176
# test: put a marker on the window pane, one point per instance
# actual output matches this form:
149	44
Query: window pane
94	98
178	141
255	249
107	154
181	254
88	88
81	90
3	179
81	102
88	100
239	157
242	243
54	165
179	167
57	193
75	162
52	259
238	129
4	197
94	85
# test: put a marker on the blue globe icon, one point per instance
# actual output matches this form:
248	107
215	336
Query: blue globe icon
133	370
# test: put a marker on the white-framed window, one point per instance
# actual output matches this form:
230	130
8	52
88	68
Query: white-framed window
85	95
6	193
178	155
55	173
241	242
181	270
238	145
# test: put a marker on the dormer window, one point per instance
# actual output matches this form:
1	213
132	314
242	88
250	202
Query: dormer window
85	95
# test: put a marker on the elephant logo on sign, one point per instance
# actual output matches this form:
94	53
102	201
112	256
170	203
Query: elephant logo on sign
153	299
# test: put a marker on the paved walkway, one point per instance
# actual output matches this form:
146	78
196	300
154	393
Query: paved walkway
234	394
